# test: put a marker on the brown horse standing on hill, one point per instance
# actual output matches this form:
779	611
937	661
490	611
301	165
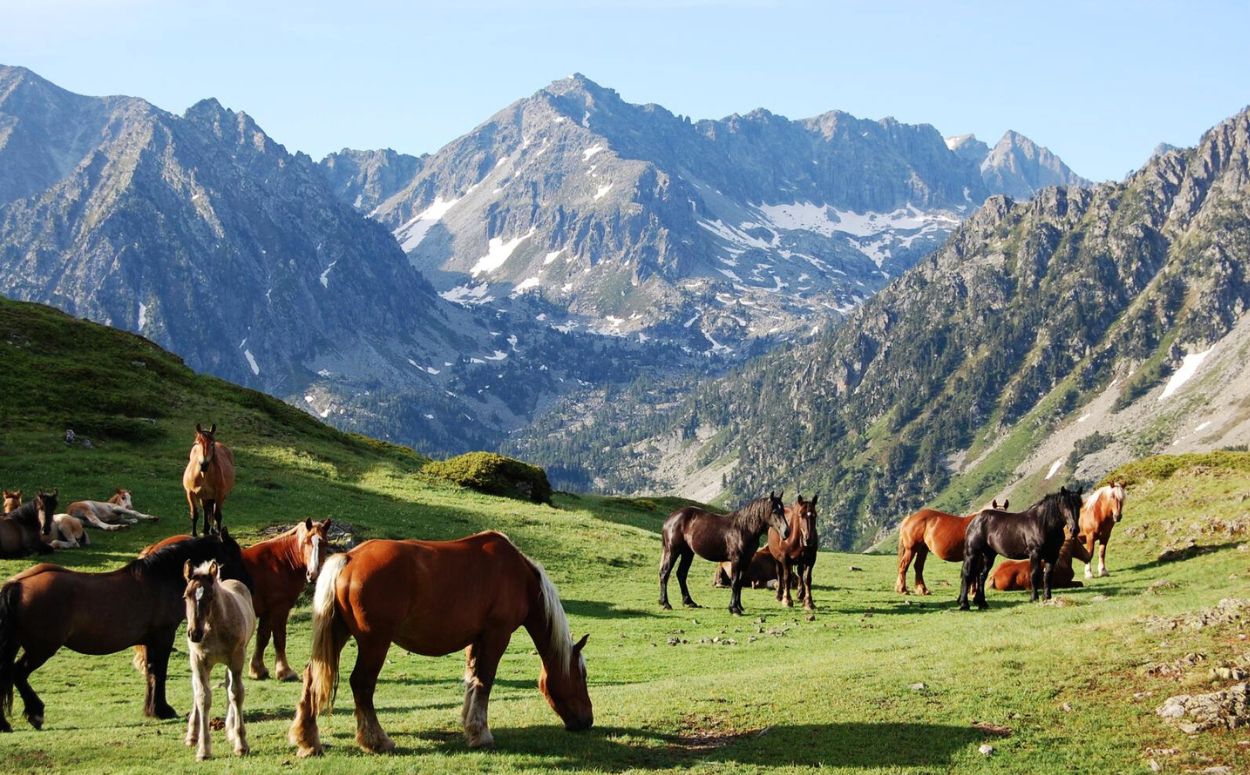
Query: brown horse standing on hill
719	538
1102	509
1016	574
208	478
27	529
433	598
929	530
799	551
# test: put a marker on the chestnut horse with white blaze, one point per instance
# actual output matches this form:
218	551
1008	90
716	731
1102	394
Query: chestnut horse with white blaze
1102	509
433	598
208	478
798	550
929	530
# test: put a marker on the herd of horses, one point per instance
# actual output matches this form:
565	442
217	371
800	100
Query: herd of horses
385	592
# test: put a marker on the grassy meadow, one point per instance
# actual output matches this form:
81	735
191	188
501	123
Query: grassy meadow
873	682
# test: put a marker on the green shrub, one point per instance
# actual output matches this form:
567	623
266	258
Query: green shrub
494	474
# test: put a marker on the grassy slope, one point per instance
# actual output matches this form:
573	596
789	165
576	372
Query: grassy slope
834	691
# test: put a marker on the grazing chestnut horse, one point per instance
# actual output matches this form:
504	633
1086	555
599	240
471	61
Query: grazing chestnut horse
761	573
929	530
719	538
433	598
1037	533
1103	508
1015	574
220	621
47	607
116	513
208	478
27	529
799	551
279	568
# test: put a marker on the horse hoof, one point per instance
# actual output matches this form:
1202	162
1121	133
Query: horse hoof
258	675
242	750
288	676
922	590
4	727
690	604
36	721
165	712
666	606
1104	573
965	607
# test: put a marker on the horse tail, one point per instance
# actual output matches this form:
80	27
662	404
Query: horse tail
9	594
323	665
140	659
557	623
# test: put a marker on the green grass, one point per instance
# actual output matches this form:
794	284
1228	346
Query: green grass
787	694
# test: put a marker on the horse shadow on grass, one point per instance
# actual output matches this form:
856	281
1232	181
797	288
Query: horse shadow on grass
601	609
1185	553
614	749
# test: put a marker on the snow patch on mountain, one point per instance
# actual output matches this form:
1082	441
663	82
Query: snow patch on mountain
412	232
497	253
1189	367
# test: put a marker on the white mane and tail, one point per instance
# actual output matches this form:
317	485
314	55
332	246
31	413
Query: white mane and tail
323	665
557	622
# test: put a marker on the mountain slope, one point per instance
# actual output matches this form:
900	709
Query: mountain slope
1030	315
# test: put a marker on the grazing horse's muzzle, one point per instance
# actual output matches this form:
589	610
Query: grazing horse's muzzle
580	724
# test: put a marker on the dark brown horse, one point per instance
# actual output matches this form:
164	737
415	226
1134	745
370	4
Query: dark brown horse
761	573
433	598
280	568
47	607
1015	574
930	530
208	478
1037	533
797	552
720	538
23	530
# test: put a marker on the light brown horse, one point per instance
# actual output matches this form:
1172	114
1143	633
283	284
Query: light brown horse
116	513
433	598
929	530
27	529
797	551
1016	574
1102	509
11	501
208	478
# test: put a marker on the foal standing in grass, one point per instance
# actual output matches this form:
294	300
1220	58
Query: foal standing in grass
220	621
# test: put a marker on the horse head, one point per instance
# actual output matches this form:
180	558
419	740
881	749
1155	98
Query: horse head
807	519
1117	497
206	440
994	504
777	514
311	538
199	593
1070	503
46	503
121	497
11	500
566	690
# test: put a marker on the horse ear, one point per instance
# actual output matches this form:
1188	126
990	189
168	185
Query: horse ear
186	570
212	429
214	569
581	644
1006	503
308	524
772	494
55	492
198	429
225	533
814	497
325	523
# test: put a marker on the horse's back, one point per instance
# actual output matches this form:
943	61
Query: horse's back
242	598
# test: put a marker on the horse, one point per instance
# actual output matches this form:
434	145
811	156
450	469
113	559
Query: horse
761	573
11	501
67	532
25	529
717	537
1014	574
1036	533
929	530
798	550
101	613
208	478
1102	509
280	568
116	513
433	598
220	620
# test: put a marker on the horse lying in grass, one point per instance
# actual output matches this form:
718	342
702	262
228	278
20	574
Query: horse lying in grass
279	568
67	532
220	621
1036	533
101	613
117	513
761	573
1102	509
719	538
433	598
27	529
1015	574
799	551
929	530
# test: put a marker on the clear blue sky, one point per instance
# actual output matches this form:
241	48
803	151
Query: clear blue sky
1100	86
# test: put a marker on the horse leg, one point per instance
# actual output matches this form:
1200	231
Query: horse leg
683	568
984	564
1048	572
783	584
922	554
1102	559
234	698
966	575
1089	550
905	555
370	657
481	662
1035	575
210	508
257	670
735	594
282	669
666	567
201	687
303	733
808	602
195	514
217	516
158	650
33	706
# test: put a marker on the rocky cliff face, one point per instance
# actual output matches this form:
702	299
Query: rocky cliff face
1068	324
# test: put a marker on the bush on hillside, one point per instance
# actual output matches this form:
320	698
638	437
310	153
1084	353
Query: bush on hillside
495	475
1160	467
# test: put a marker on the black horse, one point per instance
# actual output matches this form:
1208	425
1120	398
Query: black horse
21	529
47	607
1035	534
720	538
